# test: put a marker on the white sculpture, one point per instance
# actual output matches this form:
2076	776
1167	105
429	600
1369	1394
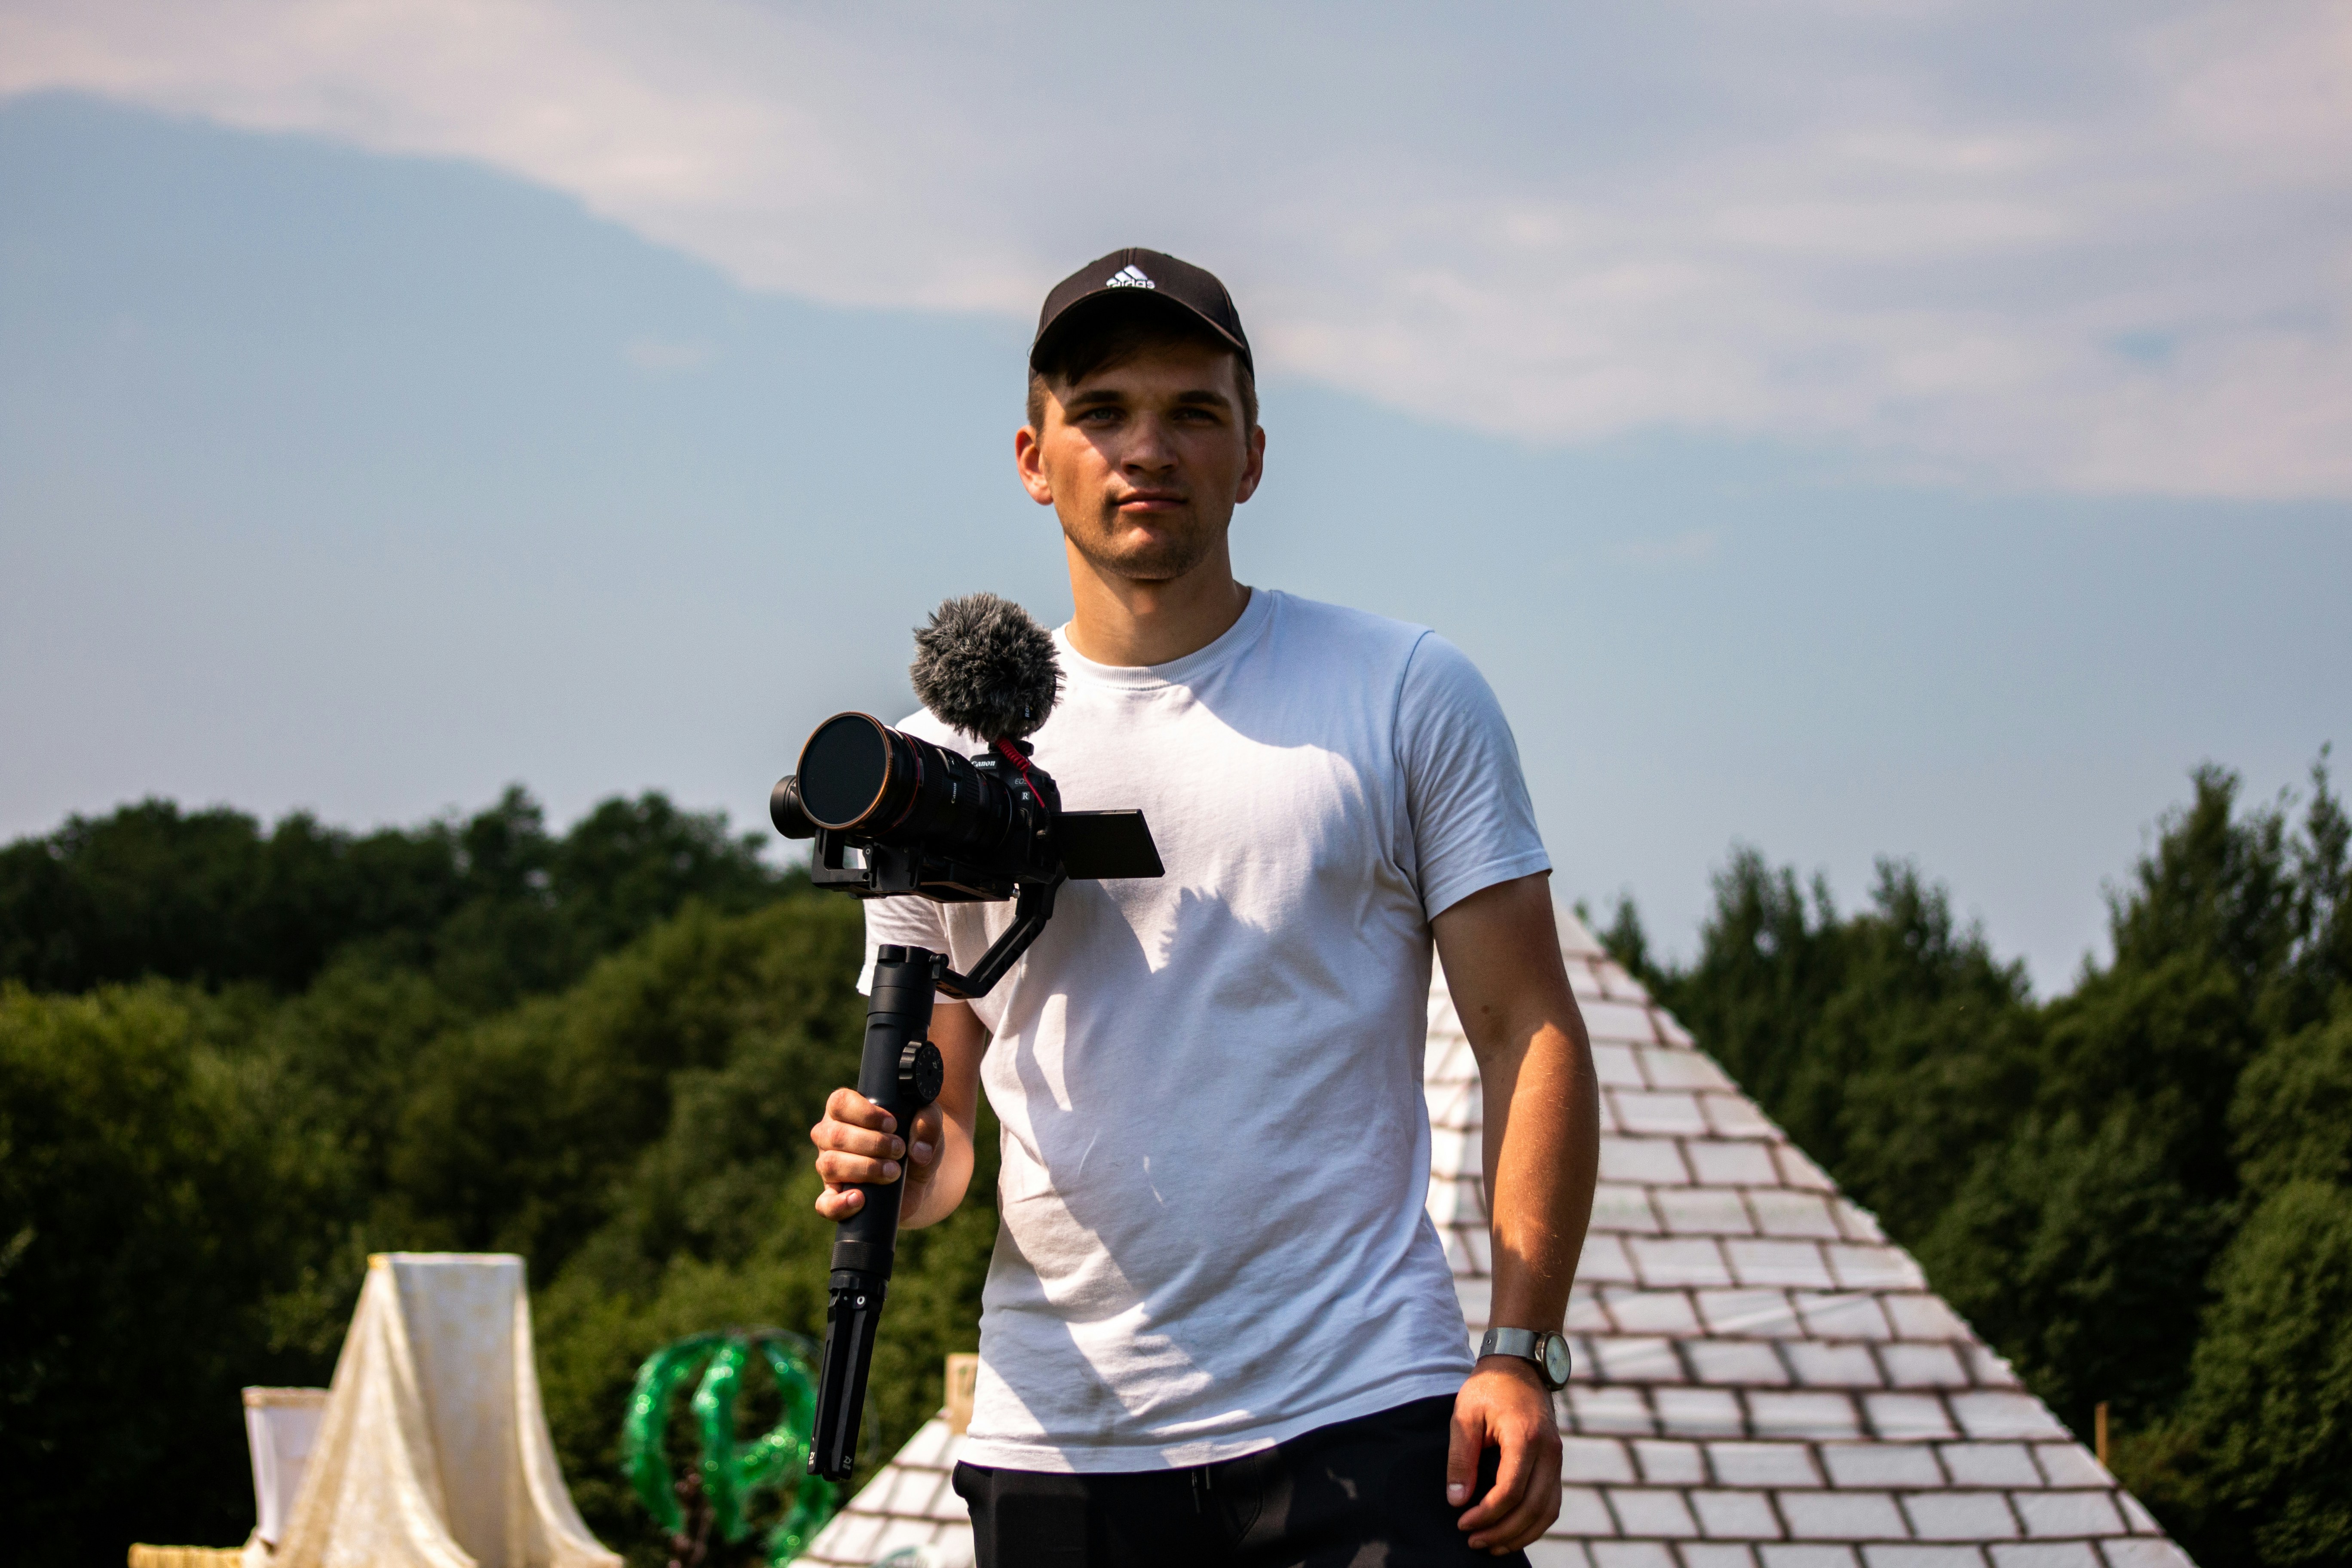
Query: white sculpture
434	1450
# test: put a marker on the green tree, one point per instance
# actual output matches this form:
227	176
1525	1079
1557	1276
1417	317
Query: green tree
146	1210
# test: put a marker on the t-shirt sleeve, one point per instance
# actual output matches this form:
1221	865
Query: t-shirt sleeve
1472	825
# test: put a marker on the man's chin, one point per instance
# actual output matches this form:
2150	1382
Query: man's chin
1162	560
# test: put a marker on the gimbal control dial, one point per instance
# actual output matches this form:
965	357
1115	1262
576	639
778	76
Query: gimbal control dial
922	1072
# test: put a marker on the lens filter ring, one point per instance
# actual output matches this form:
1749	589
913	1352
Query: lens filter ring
848	770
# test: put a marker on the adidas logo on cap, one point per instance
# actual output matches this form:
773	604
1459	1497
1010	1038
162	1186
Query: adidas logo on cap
1129	277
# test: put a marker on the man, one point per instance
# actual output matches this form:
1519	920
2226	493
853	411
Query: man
1219	1326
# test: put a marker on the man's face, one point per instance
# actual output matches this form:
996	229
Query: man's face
1144	461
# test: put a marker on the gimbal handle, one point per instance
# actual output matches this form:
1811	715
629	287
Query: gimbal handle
900	1071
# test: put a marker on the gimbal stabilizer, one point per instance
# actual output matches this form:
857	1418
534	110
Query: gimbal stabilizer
893	814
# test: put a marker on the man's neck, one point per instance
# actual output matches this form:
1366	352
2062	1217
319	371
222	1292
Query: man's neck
1117	620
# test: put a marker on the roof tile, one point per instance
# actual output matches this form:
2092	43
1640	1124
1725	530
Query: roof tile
1809	1416
1604	1260
1735	1364
1595	1459
1880	1465
1654	1512
2005	1415
1908	1418
1732	1165
1842	1316
2046	1555
1763	1464
1736	1116
1737	1516
1705	1211
1990	1370
1755	1313
1581	1512
1617	1067
1797	1263
1699	1413
1695	1556
1652	1312
1618	1021
2071	1465
1960	1516
1651	1161
1633	1554
1681	1261
1989	1465
1554	1552
1881	1556
1807	1556
1668	1464
1842	1516
1585	1312
1923	1366
1784	1211
1874	1268
1799	1171
1632	1360
1670	1067
1820	1365
1674	1112
1609	1409
2143	1553
1621	1208
2068	1513
1923	1316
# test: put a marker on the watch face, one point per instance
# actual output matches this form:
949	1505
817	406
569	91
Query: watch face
1557	1362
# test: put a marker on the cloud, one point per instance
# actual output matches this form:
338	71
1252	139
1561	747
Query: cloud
2104	247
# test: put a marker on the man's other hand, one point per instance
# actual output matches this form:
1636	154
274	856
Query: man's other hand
1504	1406
858	1144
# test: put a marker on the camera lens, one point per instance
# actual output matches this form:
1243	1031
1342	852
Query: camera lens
845	770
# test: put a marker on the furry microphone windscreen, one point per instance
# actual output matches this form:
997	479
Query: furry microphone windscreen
984	667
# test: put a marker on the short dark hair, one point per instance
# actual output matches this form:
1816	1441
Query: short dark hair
1102	339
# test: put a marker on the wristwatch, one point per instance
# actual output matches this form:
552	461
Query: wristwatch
1547	1351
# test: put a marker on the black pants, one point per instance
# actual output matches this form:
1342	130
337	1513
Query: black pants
1367	1493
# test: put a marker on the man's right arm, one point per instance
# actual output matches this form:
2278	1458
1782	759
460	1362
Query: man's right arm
857	1144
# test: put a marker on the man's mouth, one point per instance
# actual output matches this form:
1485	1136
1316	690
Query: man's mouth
1151	500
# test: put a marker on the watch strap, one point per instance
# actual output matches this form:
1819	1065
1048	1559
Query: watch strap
1525	1343
1528	1344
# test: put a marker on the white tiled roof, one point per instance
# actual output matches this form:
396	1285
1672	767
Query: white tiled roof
1762	1380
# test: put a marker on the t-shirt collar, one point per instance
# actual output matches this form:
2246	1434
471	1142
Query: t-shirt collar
1186	671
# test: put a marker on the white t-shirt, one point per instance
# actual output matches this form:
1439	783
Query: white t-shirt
1216	1144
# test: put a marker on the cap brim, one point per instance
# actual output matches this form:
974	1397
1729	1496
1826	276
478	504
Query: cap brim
1088	307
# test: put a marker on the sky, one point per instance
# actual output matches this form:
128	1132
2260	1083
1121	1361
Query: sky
1853	430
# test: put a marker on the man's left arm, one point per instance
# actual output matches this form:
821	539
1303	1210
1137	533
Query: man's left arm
1501	951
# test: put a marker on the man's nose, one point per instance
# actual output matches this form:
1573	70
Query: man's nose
1149	446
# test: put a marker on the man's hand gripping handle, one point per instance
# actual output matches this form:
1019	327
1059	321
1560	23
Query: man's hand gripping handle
900	1071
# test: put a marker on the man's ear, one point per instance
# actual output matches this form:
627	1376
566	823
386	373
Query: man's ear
1028	460
1255	469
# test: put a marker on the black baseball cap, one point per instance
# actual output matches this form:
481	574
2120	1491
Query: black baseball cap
1126	279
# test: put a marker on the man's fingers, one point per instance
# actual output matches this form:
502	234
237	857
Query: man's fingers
856	1170
1503	1497
930	1124
1463	1447
839	1203
848	1105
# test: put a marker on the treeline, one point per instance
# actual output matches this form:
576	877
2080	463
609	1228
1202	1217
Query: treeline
234	1062
2140	1191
